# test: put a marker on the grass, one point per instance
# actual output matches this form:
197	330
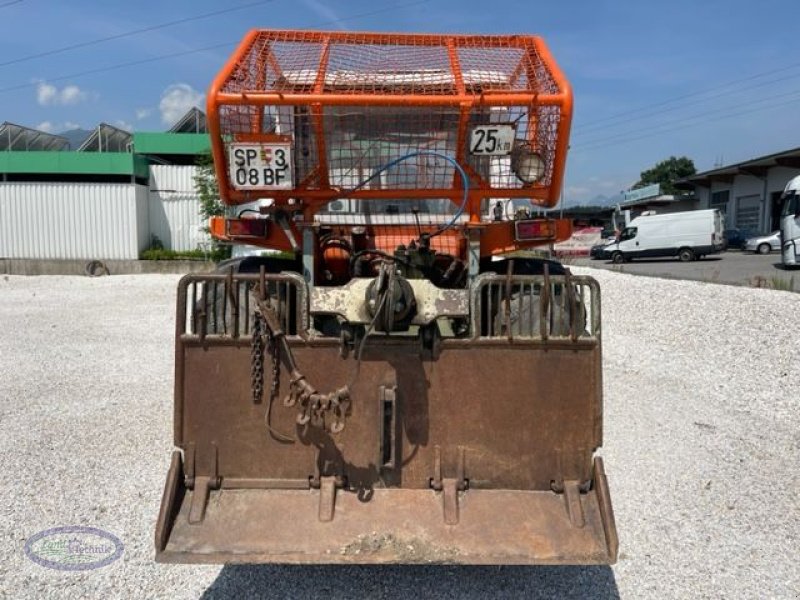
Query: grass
213	252
162	254
773	283
779	283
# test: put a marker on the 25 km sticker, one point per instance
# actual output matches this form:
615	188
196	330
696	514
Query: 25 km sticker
491	140
265	166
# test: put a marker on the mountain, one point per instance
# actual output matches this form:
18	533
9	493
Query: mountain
76	137
598	200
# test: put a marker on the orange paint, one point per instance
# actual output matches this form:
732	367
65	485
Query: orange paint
313	71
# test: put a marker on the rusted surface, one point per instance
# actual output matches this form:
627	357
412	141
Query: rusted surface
520	426
479	452
393	525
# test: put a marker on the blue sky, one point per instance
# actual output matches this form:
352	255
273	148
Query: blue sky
717	80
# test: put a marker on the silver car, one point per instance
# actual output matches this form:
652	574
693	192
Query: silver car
764	244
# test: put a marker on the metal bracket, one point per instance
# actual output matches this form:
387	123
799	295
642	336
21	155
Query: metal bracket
572	499
450	501
320	471
449	486
572	490
204	462
327	498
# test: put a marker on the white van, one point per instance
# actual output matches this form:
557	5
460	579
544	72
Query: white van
688	235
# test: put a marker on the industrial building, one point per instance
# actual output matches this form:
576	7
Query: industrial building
111	198
749	192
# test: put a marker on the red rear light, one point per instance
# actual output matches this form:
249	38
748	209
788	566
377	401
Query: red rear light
534	230
252	228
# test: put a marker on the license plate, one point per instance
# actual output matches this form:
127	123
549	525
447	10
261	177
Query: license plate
264	166
491	140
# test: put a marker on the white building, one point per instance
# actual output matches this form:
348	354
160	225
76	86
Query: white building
112	198
749	192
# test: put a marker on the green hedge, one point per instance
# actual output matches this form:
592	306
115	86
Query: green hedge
215	255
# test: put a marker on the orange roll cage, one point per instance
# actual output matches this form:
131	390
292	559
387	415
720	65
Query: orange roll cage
339	97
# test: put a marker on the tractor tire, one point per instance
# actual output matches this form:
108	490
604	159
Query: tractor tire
523	318
218	309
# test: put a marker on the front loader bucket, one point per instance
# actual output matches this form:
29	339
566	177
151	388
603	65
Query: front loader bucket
474	451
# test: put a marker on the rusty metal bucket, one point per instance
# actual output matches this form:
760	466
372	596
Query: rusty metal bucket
476	450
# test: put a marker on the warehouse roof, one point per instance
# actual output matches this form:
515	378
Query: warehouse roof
107	138
18	137
756	166
194	121
108	153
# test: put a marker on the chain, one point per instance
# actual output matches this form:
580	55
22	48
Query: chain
262	340
312	407
257	359
276	366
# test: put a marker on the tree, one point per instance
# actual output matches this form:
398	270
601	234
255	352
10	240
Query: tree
207	188
666	173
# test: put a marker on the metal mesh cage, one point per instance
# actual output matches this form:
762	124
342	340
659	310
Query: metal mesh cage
351	103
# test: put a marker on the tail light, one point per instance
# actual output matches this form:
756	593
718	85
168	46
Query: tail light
246	228
534	230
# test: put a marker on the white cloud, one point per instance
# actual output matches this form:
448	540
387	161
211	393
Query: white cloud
46	93
143	113
50	127
123	125
49	95
72	94
176	100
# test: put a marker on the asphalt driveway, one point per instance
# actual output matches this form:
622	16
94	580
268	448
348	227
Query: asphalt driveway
732	267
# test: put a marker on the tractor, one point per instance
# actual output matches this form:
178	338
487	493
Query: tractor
400	374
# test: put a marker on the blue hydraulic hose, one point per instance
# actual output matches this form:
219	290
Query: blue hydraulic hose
464	180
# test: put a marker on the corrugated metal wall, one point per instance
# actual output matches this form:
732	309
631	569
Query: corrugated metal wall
101	220
175	208
73	220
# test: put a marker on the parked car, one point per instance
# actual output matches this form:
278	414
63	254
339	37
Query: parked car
598	251
764	244
735	238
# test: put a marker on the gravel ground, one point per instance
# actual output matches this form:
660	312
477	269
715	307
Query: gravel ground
701	447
